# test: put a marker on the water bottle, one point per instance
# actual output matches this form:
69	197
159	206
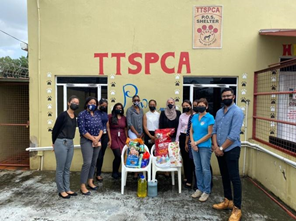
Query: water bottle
142	187
152	188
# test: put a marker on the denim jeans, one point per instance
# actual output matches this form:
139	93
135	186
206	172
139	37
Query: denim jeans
229	170
202	162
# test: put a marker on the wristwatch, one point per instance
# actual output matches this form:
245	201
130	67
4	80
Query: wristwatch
221	148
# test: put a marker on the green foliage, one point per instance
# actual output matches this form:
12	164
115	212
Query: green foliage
14	68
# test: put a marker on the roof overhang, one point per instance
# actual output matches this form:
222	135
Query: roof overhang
278	32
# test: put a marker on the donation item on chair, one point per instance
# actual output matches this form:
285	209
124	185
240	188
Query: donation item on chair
163	139
174	153
137	156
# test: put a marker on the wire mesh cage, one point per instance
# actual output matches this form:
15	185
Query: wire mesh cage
274	115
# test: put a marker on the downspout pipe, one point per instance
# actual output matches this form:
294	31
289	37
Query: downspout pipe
262	149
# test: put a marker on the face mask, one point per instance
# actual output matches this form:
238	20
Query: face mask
92	107
200	109
152	108
103	109
74	106
137	103
170	106
118	111
186	109
227	102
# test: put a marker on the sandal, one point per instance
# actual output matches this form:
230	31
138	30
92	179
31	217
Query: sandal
99	178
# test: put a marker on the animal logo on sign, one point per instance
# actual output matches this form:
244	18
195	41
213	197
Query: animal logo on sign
207	34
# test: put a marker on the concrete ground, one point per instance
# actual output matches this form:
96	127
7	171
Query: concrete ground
31	195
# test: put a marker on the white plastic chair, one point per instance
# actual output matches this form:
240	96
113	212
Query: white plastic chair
155	168
125	170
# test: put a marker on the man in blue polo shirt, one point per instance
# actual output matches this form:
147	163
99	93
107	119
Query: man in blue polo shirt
226	145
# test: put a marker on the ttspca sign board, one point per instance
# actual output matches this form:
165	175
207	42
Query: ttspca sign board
207	27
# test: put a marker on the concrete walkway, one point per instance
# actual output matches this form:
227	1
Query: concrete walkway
31	195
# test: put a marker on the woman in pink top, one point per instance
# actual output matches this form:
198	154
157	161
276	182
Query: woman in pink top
181	137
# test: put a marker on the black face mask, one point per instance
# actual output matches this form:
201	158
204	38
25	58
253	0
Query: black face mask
118	111
186	109
227	102
152	108
199	109
170	106
74	106
103	109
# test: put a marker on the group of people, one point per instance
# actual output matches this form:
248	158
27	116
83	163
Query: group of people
196	130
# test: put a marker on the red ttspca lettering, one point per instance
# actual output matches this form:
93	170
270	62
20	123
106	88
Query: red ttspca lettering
150	59
207	9
287	50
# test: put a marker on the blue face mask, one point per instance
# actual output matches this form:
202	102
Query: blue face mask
92	107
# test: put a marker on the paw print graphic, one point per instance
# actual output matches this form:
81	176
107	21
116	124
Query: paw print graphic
272	101
273	78
49	106
177	83
273	87
272	124
49	98
49	74
243	100
244	91
271	132
177	91
48	82
242	131
49	122
112	92
177	99
245	75
272	115
113	100
207	33
177	77
49	114
244	84
113	84
49	90
112	76
272	108
49	129
274	72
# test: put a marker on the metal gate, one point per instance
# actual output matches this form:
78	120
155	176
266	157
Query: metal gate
14	124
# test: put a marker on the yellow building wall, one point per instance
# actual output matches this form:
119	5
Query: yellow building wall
65	35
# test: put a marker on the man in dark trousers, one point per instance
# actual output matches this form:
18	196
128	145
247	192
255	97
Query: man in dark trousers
227	147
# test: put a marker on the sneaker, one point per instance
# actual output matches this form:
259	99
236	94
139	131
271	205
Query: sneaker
226	204
236	214
204	197
196	194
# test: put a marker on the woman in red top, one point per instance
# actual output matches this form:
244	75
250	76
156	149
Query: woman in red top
118	131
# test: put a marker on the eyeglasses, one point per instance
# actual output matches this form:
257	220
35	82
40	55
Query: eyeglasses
225	96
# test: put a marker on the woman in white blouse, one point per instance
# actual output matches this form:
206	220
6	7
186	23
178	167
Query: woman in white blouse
150	124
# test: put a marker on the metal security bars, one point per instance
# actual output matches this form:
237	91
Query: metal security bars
274	114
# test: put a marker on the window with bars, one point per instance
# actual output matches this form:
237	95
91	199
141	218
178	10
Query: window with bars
82	87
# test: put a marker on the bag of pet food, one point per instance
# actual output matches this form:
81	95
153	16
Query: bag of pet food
163	135
161	149
174	154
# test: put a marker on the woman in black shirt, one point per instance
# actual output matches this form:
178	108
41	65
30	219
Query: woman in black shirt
169	118
62	138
